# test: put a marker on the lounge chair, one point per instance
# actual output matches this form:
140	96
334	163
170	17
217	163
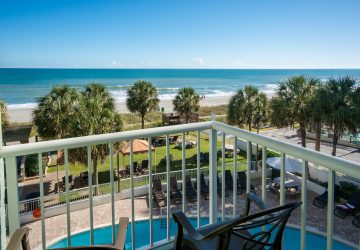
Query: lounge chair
84	177
175	193
230	184
145	166
262	230
356	221
190	191
204	188
173	139
242	181
21	237
321	200
159	196
352	206
219	188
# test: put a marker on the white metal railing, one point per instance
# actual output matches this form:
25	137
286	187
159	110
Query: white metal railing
104	189
333	164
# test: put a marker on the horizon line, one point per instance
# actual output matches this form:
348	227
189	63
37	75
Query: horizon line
96	68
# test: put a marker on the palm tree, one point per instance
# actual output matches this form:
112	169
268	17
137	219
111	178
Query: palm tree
186	101
96	115
55	112
319	109
249	107
343	107
292	103
142	98
3	112
244	105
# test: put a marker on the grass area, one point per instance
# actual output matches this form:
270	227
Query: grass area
217	110
158	159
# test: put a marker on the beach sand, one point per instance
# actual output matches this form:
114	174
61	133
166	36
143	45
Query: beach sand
20	115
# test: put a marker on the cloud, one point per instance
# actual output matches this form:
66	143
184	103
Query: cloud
199	60
238	62
116	63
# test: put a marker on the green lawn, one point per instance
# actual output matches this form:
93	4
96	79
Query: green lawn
159	159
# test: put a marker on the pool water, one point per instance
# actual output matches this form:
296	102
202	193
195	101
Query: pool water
142	238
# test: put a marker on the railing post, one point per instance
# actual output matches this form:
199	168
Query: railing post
248	160
2	196
282	179
132	195
150	193
213	176
235	178
198	187
264	172
112	190
90	182
183	172
223	177
167	187
41	175
330	205
12	194
304	203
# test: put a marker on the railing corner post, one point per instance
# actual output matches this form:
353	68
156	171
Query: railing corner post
213	177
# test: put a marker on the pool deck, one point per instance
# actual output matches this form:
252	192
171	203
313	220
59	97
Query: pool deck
56	226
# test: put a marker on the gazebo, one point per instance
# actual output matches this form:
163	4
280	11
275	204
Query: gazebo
139	147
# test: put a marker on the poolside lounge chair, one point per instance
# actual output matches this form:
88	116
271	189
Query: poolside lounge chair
356	221
321	200
173	140
175	193
230	184
204	188
159	196
190	191
262	230
242	181
219	188
21	237
145	166
84	177
352	206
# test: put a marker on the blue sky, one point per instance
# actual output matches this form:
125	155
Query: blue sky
180	34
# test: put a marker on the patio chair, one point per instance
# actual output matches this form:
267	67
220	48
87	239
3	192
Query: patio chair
204	188
145	166
230	184
21	237
262	230
173	140
242	181
190	191
321	200
356	221
175	193
159	196
219	188
84	177
352	206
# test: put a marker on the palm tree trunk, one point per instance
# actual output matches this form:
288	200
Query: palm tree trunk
335	140
318	136
142	121
303	135
250	126
257	149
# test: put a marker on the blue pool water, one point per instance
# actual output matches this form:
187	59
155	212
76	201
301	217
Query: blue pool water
103	236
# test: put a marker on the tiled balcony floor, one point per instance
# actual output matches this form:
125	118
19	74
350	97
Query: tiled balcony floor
56	226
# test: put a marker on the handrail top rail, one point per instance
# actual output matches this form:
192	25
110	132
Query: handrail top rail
326	160
83	141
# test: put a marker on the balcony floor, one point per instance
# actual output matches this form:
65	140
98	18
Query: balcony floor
56	226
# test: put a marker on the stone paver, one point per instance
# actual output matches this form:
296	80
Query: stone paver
56	226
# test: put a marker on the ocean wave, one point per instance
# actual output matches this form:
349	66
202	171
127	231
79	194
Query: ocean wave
270	88
22	106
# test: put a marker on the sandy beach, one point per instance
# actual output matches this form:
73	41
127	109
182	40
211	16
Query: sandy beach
25	114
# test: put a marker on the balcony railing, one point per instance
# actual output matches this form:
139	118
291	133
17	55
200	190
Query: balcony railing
8	159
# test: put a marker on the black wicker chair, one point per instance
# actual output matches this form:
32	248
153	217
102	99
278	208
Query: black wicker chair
262	230
321	200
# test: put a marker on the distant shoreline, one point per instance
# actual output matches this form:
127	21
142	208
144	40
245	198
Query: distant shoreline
19	115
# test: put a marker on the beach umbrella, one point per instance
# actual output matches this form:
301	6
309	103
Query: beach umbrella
291	165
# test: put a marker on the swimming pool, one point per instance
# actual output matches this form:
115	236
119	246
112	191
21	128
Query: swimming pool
103	236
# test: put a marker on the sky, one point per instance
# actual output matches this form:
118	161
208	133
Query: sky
180	34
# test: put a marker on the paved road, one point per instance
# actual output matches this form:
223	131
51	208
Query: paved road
289	135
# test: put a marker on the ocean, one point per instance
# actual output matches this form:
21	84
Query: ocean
20	88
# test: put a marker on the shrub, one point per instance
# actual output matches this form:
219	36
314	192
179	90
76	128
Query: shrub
347	188
31	165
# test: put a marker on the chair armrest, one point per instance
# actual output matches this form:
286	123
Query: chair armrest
19	236
252	197
184	224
